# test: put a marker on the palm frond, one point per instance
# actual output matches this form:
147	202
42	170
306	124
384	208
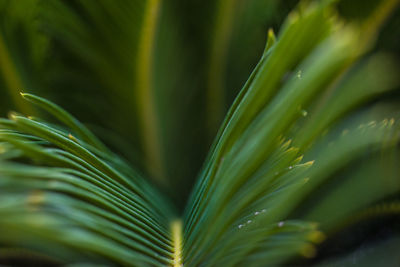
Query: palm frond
105	204
307	129
251	167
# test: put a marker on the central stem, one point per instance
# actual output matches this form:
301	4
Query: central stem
176	228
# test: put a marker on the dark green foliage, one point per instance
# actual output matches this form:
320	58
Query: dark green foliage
307	151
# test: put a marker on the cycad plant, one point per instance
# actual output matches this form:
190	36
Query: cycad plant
305	157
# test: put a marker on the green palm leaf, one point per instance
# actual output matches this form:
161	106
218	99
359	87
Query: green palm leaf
306	130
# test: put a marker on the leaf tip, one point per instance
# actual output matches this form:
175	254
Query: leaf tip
316	237
308	251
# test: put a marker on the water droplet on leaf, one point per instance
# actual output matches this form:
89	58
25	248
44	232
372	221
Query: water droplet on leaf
299	74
